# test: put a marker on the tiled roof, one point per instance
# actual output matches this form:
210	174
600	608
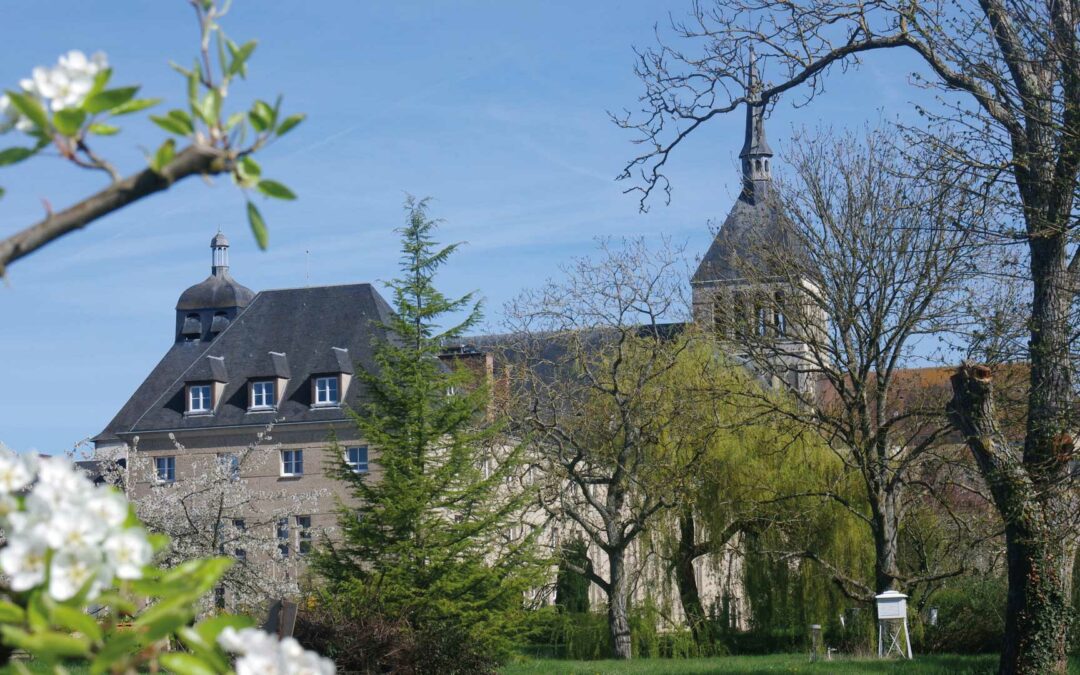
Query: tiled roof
294	333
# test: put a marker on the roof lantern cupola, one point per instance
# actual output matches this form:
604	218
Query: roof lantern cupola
756	155
219	245
206	309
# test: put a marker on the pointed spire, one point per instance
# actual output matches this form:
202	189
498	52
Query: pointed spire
755	154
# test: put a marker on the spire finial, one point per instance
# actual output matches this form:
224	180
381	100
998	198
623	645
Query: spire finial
756	153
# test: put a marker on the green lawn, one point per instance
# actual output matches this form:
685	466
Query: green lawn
776	663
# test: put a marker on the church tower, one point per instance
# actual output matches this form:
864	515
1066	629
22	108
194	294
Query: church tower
744	290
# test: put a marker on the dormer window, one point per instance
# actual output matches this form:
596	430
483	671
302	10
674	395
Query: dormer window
199	398
263	395
326	390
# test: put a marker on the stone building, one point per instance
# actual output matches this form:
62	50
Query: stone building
241	360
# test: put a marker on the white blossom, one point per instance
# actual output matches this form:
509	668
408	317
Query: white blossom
82	525
72	569
263	654
127	552
23	561
16	472
109	506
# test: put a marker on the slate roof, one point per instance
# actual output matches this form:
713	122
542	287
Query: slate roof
216	290
754	234
294	333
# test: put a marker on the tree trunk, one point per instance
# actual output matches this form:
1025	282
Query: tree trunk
618	606
886	518
689	595
1038	606
1037	540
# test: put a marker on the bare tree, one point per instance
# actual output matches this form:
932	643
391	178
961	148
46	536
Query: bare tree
871	264
1009	73
591	357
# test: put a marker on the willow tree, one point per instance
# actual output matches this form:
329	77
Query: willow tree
591	357
1008	76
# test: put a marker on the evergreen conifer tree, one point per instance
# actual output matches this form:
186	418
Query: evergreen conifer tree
428	542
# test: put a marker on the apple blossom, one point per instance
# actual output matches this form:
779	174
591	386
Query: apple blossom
127	552
72	569
261	653
23	560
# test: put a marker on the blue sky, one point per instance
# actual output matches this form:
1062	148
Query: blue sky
495	109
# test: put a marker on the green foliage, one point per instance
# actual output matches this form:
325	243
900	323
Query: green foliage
121	638
428	542
204	122
971	617
571	586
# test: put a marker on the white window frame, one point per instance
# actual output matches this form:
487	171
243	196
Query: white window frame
208	399
256	394
294	457
322	394
283	537
170	465
303	534
358	466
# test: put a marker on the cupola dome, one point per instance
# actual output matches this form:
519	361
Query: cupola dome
205	309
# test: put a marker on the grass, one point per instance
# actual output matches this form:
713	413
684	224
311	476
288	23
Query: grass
937	664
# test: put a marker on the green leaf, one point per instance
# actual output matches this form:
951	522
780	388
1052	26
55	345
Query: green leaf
102	129
134	105
261	116
248	171
76	620
48	645
209	629
185	664
120	645
258	226
240	57
109	99
164	155
209	109
31	107
272	188
193	78
14	155
11	613
69	121
290	122
170	124
234	119
207	651
100	80
36	613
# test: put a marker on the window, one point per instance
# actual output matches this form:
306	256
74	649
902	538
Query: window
230	465
283	537
240	527
165	469
326	391
292	462
262	395
199	398
303	534
356	458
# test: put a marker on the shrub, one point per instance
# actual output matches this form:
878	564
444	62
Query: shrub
365	639
971	618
